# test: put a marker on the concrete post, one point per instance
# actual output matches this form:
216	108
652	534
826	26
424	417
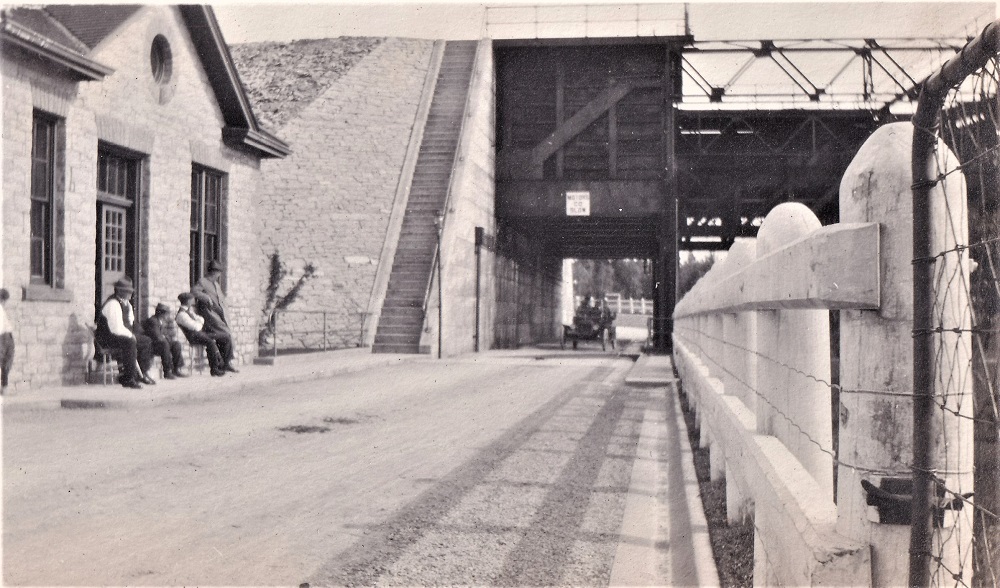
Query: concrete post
795	345
740	377
741	334
876	407
568	294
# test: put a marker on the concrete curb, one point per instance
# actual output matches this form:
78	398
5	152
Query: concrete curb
706	573
664	538
641	556
651	370
108	397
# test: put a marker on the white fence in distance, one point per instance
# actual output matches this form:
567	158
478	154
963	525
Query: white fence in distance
618	304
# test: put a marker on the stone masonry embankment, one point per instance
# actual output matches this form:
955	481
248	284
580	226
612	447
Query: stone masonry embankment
329	202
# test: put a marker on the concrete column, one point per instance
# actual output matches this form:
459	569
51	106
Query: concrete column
741	333
796	349
739	503
876	431
768	378
715	349
567	292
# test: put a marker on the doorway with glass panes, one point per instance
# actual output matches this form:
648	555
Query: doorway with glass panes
119	239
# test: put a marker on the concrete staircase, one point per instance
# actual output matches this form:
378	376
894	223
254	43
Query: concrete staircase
402	317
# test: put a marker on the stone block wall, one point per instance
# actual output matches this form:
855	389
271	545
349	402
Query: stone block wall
329	202
52	337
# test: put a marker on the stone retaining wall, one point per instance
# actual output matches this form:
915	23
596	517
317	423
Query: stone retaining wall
329	202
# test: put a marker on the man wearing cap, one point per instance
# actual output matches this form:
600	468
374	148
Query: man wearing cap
192	324
116	333
159	328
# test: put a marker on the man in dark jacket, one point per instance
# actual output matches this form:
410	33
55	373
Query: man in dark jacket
160	329
212	300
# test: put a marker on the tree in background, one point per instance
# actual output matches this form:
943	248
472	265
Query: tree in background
691	270
597	277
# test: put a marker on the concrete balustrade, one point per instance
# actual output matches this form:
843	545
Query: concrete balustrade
751	344
752	348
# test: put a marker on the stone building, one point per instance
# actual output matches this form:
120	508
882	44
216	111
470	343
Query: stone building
129	148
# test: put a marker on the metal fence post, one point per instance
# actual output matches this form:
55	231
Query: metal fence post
925	178
324	330
274	334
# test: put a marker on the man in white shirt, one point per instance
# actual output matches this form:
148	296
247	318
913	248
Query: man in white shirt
6	342
192	324
116	333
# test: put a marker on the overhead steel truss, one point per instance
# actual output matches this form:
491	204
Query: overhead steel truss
811	71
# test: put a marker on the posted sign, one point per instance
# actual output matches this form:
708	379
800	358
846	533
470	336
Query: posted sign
577	203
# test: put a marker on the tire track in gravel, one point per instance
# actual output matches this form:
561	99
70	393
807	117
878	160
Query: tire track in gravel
541	556
375	558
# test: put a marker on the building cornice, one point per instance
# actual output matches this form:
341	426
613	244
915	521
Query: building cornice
241	127
84	68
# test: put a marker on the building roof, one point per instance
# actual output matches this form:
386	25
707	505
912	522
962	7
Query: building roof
39	33
91	23
66	35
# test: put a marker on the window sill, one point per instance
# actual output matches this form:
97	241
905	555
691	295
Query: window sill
43	293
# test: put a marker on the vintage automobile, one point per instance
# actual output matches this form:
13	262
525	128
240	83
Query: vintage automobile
591	323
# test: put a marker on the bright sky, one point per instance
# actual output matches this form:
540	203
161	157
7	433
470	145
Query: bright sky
709	20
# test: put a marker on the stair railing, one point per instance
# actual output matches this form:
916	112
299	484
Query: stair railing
443	213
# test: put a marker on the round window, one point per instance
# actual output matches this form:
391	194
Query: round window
160	61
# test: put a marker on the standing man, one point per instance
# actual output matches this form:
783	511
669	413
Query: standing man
159	329
116	333
212	306
211	299
217	345
6	343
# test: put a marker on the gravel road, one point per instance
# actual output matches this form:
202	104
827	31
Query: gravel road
498	469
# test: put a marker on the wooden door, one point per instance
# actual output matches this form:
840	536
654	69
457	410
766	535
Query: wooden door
112	248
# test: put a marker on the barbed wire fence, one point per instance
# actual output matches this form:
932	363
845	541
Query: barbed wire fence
955	532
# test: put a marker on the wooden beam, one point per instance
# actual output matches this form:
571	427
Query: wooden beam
547	198
613	141
582	119
560	111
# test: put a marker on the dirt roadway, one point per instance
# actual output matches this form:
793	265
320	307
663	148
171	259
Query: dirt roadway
510	470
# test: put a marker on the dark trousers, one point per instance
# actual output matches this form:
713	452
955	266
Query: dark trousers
128	351
171	354
6	357
218	346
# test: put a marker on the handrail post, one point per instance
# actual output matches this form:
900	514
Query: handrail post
324	330
440	288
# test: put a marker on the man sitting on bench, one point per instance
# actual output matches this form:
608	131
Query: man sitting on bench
160	330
